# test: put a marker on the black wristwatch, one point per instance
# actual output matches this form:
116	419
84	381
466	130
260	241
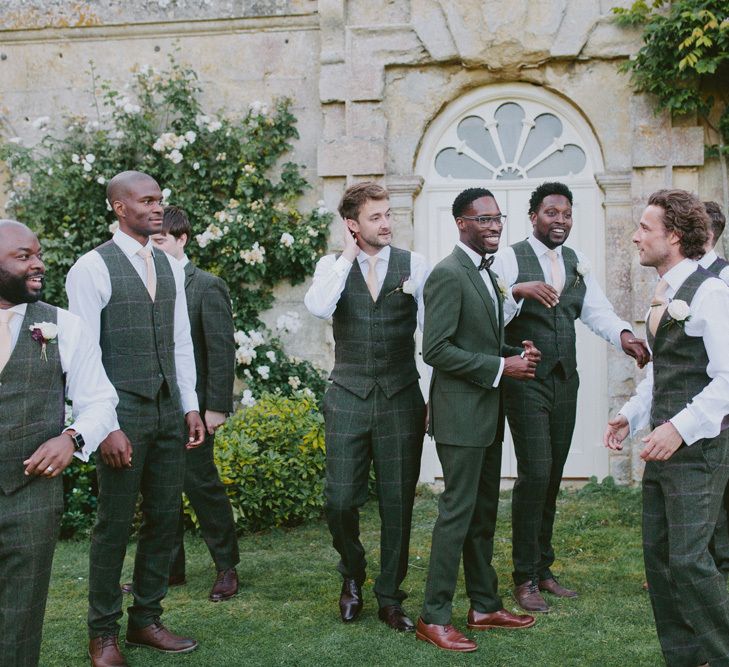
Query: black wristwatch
78	441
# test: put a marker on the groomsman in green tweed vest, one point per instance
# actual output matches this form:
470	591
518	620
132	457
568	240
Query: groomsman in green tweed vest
554	287
211	324
45	355
132	299
720	267
464	342
373	410
684	400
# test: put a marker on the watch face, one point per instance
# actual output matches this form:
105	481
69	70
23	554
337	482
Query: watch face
78	441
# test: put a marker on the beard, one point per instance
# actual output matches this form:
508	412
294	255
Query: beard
14	289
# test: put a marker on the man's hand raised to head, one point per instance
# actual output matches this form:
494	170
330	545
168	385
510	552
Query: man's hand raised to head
351	249
536	290
635	347
195	429
116	450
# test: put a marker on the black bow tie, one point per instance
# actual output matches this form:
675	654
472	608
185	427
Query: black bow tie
486	262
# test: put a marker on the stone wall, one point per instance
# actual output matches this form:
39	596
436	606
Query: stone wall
368	77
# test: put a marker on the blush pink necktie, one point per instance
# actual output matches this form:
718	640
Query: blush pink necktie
658	306
557	280
372	285
146	254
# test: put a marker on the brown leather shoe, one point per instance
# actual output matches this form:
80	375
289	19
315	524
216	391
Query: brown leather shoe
350	600
104	652
158	637
445	637
174	580
225	586
394	616
552	586
498	619
529	598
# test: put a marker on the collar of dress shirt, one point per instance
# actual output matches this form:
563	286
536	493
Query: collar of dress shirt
677	274
384	255
19	309
472	254
541	249
129	246
708	259
184	261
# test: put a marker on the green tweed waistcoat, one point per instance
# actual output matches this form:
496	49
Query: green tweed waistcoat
679	361
717	266
31	398
374	342
138	335
551	329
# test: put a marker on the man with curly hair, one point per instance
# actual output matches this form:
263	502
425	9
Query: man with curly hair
554	287
684	399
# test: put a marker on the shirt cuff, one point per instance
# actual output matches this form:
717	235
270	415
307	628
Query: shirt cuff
616	337
498	375
342	266
684	423
633	419
189	403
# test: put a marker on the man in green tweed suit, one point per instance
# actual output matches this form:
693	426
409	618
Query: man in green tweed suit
211	325
132	299
557	288
44	354
684	400
374	410
463	340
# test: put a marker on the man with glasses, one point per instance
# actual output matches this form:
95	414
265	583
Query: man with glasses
552	287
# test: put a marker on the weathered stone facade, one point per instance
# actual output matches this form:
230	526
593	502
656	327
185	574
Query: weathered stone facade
368	78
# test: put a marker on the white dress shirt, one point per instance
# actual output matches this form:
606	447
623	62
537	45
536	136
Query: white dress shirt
709	319
597	312
708	259
331	275
89	289
93	396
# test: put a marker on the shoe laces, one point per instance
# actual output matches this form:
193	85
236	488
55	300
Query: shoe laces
108	640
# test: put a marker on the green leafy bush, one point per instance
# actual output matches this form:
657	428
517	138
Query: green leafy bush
271	459
80	489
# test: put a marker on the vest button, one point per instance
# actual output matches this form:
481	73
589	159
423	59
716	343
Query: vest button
159	375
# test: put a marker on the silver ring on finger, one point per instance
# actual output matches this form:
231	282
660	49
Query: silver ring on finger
49	469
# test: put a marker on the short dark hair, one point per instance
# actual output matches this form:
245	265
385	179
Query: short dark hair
466	198
176	222
717	220
546	189
355	197
684	214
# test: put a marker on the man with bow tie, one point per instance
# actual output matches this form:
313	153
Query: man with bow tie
554	287
463	340
45	355
684	400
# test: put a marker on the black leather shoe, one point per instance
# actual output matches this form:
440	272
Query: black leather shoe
350	600
394	616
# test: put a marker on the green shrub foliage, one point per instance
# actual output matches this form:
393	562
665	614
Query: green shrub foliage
271	459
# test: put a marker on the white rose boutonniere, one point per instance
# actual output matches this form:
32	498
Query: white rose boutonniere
679	312
582	268
406	286
43	333
502	287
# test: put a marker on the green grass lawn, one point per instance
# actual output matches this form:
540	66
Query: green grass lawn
287	614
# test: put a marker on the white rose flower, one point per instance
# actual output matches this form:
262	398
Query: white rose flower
196	166
502	287
174	156
66	234
271	356
101	180
166	195
40	122
583	268
294	382
90	158
214	126
408	287
286	240
190	136
75	158
114	225
247	400
679	310
264	372
48	329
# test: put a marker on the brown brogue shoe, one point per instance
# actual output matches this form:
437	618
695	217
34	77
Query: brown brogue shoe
394	616
445	637
225	586
529	598
552	586
499	619
174	580
158	637
350	600
104	652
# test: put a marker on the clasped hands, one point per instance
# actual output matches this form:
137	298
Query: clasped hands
660	443
523	366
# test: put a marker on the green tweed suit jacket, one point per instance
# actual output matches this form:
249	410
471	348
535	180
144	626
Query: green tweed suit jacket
463	340
211	326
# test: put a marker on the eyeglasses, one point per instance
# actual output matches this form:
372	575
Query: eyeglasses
498	220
